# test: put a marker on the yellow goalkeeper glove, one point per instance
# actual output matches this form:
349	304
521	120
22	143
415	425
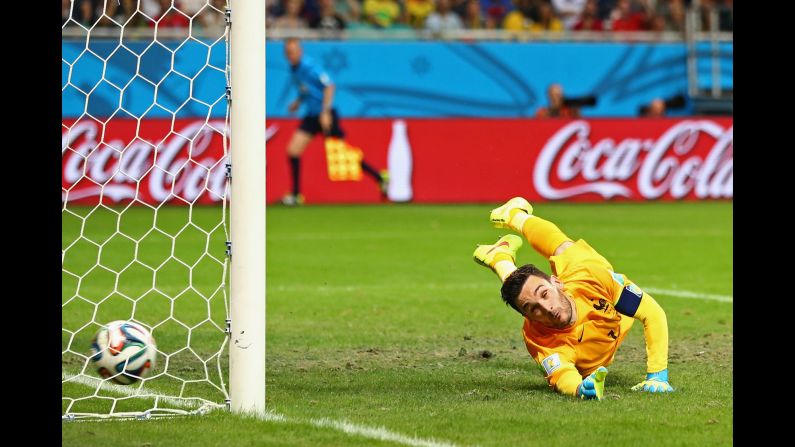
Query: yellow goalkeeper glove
593	386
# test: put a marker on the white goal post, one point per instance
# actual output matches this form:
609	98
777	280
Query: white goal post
163	205
247	345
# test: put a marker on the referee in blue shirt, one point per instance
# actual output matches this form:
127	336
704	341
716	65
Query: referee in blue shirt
316	92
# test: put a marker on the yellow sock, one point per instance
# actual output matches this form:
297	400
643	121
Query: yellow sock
542	234
517	220
503	266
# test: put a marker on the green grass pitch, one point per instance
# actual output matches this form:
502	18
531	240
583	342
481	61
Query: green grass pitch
377	316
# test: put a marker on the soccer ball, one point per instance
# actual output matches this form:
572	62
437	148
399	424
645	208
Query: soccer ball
123	352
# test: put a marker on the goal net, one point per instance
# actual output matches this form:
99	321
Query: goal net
145	200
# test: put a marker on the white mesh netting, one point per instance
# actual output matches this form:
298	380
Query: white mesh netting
144	218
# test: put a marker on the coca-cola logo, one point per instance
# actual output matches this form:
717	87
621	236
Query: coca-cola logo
663	165
188	164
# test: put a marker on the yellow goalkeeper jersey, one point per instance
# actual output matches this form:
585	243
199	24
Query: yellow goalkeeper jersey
592	341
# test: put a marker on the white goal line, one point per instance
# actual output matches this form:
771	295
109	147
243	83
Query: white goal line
689	294
378	433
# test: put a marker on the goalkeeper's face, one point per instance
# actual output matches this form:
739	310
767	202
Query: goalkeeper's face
543	301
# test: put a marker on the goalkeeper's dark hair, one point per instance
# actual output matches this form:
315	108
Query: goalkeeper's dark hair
512	286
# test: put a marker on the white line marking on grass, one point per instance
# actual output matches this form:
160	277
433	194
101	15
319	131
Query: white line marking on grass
689	294
470	286
378	433
142	392
408	285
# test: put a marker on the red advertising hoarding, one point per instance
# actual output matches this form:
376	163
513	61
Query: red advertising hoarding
450	160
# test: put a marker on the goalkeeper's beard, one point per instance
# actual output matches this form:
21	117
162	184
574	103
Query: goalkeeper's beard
572	317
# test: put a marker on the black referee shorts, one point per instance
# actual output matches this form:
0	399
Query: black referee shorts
311	124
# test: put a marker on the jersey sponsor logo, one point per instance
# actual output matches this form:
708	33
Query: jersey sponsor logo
635	289
617	276
551	363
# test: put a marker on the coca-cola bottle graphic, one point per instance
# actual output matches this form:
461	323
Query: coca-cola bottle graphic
399	163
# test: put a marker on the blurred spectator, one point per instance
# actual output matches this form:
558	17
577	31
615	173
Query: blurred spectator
291	18
604	8
673	14
66	11
350	10
443	19
169	17
213	19
472	16
520	18
143	12
459	7
556	108
417	11
328	18
546	19
89	12
310	10
675	19
660	107
622	18
382	13
704	8
657	23
273	10
83	12
725	14
135	17
656	108
569	11
149	7
494	11
112	12
589	20
190	7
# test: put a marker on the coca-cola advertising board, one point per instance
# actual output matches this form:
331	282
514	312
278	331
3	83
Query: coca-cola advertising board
431	160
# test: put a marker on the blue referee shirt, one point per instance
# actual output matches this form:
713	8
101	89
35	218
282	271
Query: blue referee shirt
310	80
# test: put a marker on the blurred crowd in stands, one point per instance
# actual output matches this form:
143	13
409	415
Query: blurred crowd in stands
431	15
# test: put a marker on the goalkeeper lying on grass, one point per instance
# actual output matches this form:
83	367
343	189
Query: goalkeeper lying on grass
575	319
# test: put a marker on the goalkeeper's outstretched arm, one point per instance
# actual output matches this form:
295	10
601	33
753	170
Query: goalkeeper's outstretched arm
655	331
568	381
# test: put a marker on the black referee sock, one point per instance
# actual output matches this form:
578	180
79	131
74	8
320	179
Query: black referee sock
295	168
371	171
